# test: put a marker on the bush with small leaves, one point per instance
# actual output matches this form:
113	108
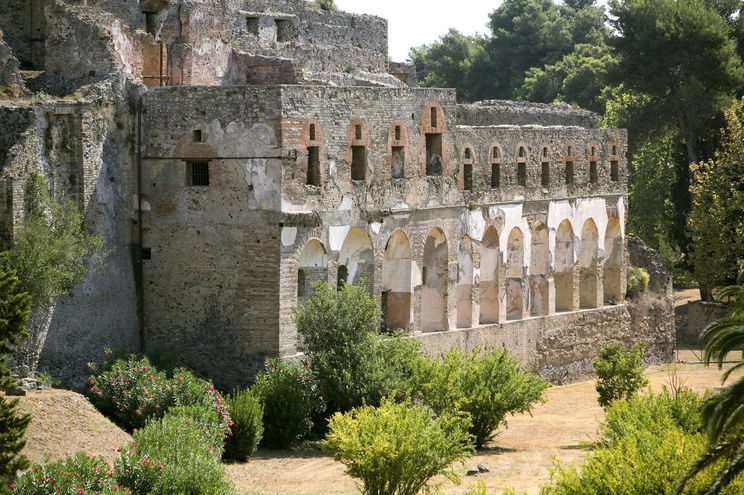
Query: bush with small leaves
396	449
485	385
290	398
637	281
619	372
246	412
204	418
74	475
171	456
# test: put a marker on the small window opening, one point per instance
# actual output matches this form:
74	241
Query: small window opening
468	154
197	135
434	154
467	176
146	253
423	275
300	284
569	151
358	162
398	161
151	22
343	276
569	173
495	176
614	150
313	166
594	151
496	153
545	152
397	133
614	171
199	173
521	152
522	174
312	132
285	31
433	117
545	176
593	178
358	131
251	25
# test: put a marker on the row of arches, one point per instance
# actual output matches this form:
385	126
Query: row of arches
490	283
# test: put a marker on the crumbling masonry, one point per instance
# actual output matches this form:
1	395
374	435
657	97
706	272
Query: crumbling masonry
233	152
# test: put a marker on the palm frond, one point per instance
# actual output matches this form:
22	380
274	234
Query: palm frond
728	473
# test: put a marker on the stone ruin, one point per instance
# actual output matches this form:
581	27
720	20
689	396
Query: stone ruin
232	152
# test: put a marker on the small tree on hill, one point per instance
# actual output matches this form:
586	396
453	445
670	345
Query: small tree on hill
15	307
619	373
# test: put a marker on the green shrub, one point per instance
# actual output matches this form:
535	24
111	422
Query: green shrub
652	412
205	419
290	398
395	449
246	412
637	281
485	385
80	473
132	391
171	457
619	372
354	365
329	5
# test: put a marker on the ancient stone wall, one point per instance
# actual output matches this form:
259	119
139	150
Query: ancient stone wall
502	112
212	275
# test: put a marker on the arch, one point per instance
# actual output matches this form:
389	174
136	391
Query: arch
397	282
539	266
435	278
465	283
312	267
514	273
612	272
589	287
490	263
564	268
358	257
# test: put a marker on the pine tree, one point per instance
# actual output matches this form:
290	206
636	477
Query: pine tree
15	308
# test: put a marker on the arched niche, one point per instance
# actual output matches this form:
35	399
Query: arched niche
589	288
434	277
490	261
563	275
514	275
356	259
312	267
539	267
465	283
397	282
612	272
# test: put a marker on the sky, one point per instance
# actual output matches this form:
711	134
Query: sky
417	22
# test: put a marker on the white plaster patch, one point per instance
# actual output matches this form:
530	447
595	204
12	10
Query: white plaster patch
346	203
476	223
336	236
289	236
375	227
415	274
332	168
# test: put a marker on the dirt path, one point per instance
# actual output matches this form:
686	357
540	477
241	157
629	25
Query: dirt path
519	457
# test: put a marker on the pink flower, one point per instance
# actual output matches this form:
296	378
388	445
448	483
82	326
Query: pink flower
137	411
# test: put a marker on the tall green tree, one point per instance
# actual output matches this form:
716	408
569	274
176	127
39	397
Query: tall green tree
717	217
15	307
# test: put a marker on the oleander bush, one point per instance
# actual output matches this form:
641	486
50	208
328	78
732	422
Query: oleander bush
74	475
484	385
619	372
246	412
130	391
396	448
291	398
171	456
204	418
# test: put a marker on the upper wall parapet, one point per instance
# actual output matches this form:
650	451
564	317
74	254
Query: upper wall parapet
519	113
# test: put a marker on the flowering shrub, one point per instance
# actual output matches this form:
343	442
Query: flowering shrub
131	391
204	418
246	411
290	397
77	475
171	456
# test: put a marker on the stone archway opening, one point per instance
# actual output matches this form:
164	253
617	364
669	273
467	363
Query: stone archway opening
539	267
313	267
515	302
612	273
589	289
397	282
434	276
564	267
465	283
